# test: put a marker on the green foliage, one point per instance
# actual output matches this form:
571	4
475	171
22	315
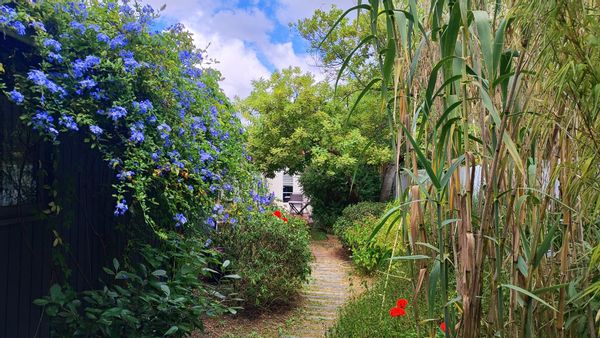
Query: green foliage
330	191
271	256
366	316
299	129
354	227
156	298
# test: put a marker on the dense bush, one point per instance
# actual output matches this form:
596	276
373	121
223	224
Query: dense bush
330	192
156	298
271	256
355	226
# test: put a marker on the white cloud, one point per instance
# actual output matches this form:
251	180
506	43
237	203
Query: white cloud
290	11
237	36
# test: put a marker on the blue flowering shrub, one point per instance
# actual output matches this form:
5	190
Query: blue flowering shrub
147	102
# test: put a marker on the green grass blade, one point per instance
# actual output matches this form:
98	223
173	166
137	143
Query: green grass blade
525	292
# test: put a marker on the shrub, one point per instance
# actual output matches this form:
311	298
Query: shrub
271	256
354	228
159	297
330	192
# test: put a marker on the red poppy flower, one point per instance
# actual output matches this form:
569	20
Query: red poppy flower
397	311
277	214
443	326
285	219
402	303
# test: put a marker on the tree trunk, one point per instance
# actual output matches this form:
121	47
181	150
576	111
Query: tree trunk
387	183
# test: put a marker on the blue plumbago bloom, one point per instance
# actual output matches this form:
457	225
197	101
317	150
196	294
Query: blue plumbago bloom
207	243
137	135
211	222
98	95
261	209
126	54
204	156
121	208
180	219
125	175
7	14
39	78
19	27
16	96
117	112
68	122
131	65
78	26
154	157
113	163
213	188
38	26
118	41
152	119
174	154
96	130
143	106
228	187
52	44
164	129
42	119
87	83
190	188
94	27
250	208
102	37
218	209
133	27
232	220
82	66
54	57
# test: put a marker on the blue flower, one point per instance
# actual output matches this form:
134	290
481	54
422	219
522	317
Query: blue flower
207	243
96	130
165	129
137	135
94	27
68	122
54	57
131	64
19	27
211	222
52	44
39	78
117	112
101	37
82	66
38	25
180	219
125	175
143	106
87	83
7	14
154	157
133	27
16	96
218	209
118	41
78	26
121	208
228	187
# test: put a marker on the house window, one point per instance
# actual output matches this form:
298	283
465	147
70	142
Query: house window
288	187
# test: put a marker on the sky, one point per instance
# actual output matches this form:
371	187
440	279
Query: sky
249	38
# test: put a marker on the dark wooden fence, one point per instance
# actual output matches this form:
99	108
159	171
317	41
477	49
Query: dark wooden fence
85	227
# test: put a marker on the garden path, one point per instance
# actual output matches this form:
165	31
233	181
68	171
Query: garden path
331	285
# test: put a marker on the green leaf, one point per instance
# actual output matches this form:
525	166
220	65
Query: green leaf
484	32
165	289
226	263
410	258
116	264
446	178
171	330
388	62
525	292
337	22
362	94
232	276
422	159
514	153
349	57
159	273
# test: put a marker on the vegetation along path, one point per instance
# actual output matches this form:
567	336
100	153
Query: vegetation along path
331	285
